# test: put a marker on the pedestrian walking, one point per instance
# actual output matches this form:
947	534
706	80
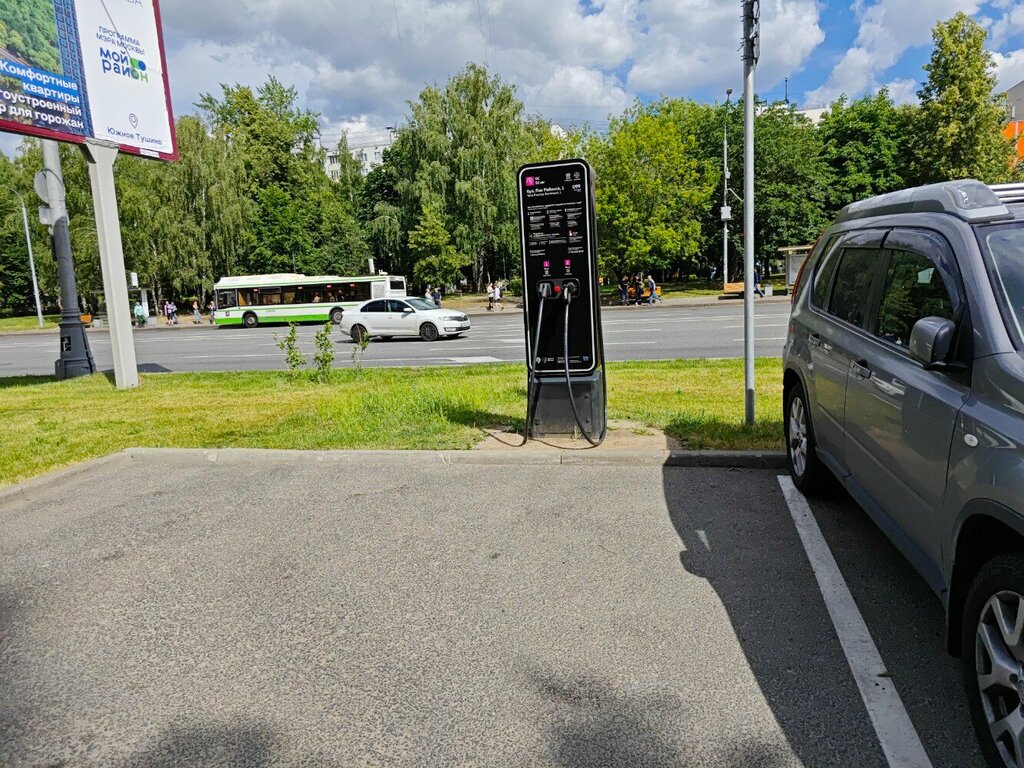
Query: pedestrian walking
167	311
624	290
197	316
497	296
428	294
174	313
211	308
490	297
757	282
140	314
437	296
653	287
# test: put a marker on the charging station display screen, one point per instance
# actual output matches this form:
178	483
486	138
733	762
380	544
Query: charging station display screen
556	212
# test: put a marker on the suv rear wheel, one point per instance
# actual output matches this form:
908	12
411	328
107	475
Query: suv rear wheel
809	475
993	644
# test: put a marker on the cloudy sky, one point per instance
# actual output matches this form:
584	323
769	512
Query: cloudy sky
359	61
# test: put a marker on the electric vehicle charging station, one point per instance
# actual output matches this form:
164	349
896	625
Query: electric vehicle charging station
561	300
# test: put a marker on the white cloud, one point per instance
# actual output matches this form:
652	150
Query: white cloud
903	90
695	43
1010	25
887	29
1009	68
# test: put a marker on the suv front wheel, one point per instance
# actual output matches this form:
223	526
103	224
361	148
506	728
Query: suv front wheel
809	474
993	644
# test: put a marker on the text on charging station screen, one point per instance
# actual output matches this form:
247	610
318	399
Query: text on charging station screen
556	235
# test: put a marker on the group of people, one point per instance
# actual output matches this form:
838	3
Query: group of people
494	297
433	294
632	288
170	312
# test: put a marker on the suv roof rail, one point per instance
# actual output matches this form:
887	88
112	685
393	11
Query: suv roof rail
1009	193
967	199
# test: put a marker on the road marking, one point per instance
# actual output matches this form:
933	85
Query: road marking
896	734
760	325
765	338
471	359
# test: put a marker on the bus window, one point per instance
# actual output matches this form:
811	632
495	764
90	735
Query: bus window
226	299
270	296
249	298
397	284
290	295
358	291
332	296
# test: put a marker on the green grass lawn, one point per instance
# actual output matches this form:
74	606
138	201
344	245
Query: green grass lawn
49	424
27	323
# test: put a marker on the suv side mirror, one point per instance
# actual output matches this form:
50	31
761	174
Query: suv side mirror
931	340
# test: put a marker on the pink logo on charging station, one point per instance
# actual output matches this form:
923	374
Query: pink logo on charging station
529	181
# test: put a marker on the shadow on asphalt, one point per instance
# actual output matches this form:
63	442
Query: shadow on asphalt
733	537
596	725
247	745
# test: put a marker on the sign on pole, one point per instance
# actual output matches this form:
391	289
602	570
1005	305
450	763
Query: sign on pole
87	69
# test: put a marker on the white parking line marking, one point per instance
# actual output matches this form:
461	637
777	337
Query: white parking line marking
896	734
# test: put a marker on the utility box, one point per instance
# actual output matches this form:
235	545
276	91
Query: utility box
561	300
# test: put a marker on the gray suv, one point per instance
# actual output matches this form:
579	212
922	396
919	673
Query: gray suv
904	379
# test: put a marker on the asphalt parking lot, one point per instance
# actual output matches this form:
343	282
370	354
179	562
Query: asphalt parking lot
397	612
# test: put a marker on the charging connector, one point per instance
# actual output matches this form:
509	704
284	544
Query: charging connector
571	288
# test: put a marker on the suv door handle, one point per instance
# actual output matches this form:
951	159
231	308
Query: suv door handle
859	368
814	340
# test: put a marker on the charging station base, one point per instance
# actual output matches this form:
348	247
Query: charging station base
553	414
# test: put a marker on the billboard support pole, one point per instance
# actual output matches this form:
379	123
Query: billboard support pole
75	356
101	156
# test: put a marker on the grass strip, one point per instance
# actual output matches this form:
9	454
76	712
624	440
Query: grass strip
46	424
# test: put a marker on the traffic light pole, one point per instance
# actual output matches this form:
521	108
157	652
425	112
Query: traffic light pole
75	356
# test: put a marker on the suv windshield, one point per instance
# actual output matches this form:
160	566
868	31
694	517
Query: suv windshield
1004	247
420	304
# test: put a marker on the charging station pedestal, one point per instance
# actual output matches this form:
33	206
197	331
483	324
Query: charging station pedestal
561	300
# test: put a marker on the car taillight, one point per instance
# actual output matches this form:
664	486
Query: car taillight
800	272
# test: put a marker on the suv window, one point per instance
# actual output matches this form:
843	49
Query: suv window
1004	247
823	274
376	306
913	289
853	281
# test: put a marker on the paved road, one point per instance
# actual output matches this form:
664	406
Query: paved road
635	333
330	614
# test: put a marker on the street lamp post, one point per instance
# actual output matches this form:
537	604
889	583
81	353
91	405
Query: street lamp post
725	191
751	53
31	260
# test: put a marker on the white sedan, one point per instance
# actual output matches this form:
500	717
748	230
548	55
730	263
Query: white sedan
407	316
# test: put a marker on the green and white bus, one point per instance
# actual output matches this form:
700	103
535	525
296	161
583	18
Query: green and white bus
249	300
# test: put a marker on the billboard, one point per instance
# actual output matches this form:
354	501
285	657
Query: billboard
72	70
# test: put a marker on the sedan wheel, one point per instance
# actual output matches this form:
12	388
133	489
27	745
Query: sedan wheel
428	332
358	333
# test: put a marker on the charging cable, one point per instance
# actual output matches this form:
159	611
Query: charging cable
568	379
534	391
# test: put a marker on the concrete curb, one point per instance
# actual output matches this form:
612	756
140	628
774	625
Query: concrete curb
723	459
36	486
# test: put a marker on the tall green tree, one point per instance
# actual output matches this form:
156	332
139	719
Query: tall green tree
958	131
653	185
438	263
867	146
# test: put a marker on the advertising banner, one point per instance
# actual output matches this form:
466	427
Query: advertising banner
72	70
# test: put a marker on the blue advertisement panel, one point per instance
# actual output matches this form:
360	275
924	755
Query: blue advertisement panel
77	69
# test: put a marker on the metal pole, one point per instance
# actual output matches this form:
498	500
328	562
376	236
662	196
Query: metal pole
749	62
31	262
725	192
101	156
75	356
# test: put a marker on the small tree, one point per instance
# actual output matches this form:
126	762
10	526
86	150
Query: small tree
360	344
290	346
437	261
959	131
323	360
